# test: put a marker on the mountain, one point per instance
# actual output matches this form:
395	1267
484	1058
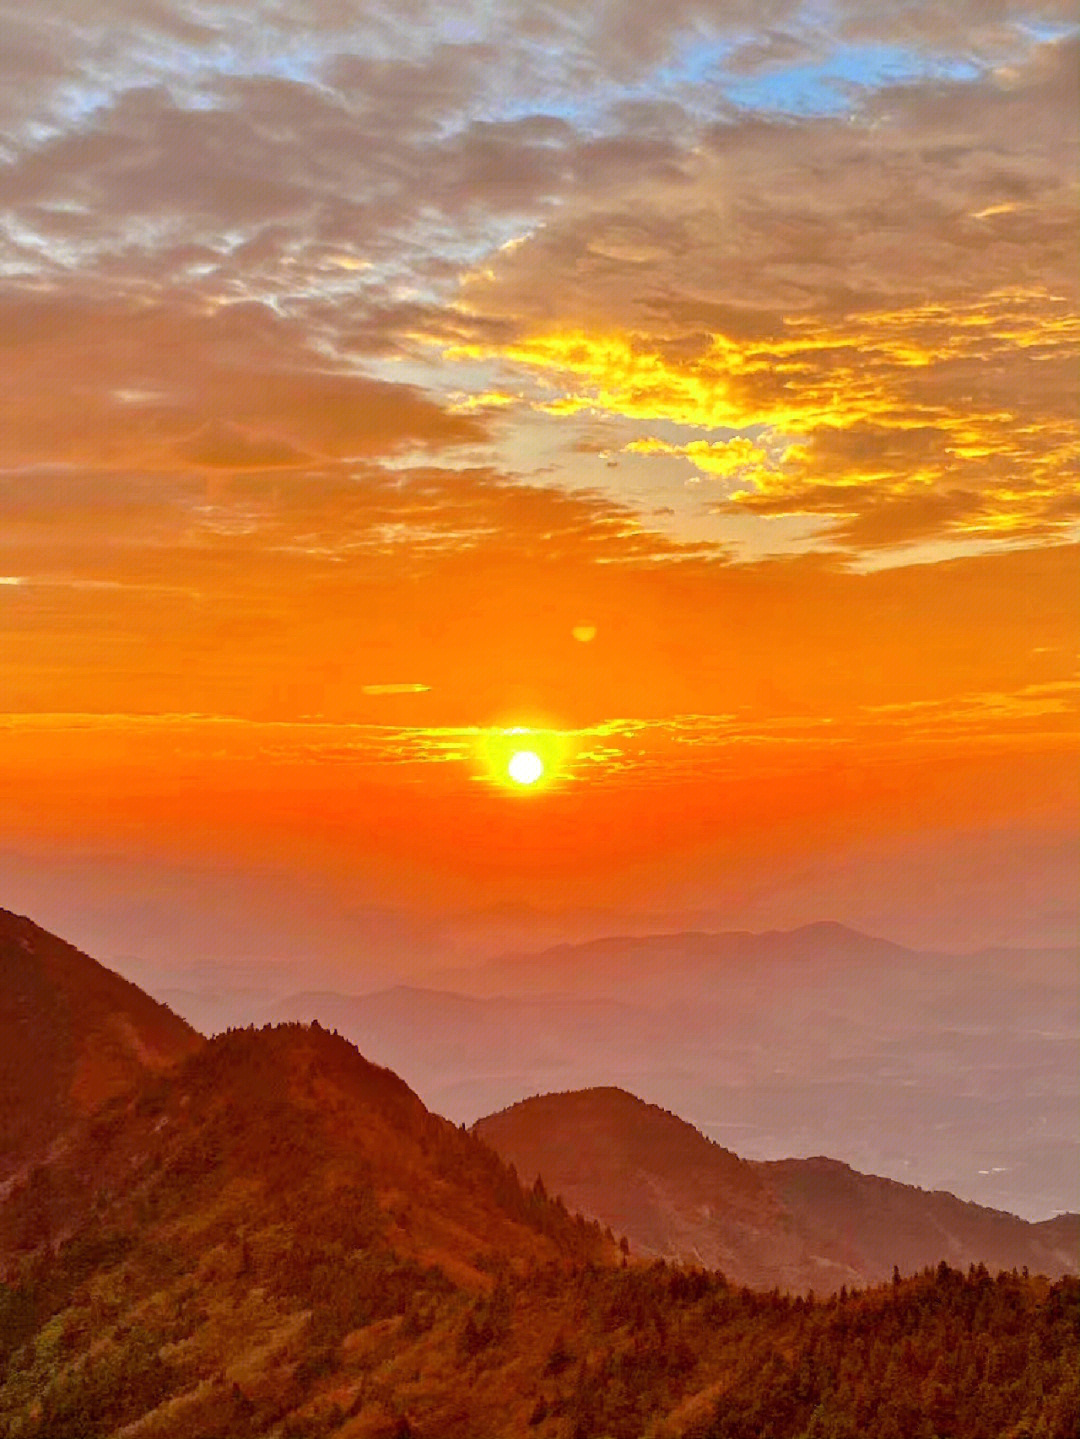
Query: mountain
278	1239
653	1178
668	966
72	1036
281	1119
874	1224
240	1216
1061	1235
794	1223
802	1042
275	1237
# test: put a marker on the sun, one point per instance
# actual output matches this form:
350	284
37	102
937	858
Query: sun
525	766
523	759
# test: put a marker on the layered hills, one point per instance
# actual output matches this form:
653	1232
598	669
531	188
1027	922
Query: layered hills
799	1223
267	1234
947	1071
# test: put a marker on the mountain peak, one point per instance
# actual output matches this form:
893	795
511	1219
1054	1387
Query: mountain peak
795	1222
72	1036
828	928
306	1063
638	1168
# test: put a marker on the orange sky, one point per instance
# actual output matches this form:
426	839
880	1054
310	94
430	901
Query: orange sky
697	392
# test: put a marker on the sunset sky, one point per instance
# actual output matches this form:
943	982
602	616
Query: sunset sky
692	386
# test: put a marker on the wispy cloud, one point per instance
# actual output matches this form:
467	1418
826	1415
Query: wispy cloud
623	749
395	689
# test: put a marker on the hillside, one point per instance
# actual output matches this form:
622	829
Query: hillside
275	1239
282	1122
276	1184
874	1223
72	1035
656	1180
253	1282
279	1242
796	1223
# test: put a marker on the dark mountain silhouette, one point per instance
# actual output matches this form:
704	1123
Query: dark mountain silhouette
72	1035
799	1222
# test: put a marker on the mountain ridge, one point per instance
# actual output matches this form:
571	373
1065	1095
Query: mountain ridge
813	941
655	1177
75	1035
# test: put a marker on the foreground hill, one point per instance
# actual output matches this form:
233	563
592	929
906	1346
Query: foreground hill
72	1035
243	1215
279	1240
284	1123
812	1223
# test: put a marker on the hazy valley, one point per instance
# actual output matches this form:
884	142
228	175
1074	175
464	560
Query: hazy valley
814	1041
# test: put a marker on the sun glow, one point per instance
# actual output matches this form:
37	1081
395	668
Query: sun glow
525	766
522	759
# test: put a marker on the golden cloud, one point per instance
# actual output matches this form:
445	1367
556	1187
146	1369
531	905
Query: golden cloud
395	689
738	458
871	408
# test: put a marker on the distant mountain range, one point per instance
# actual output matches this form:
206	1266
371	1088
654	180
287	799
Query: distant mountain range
686	964
267	1234
949	1071
797	1223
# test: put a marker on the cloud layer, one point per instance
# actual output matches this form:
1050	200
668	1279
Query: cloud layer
694	381
847	244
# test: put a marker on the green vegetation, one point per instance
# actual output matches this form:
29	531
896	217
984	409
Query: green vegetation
585	1350
279	1240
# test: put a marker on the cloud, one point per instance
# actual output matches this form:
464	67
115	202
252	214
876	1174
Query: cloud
885	304
625	750
738	458
395	689
174	386
236	255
